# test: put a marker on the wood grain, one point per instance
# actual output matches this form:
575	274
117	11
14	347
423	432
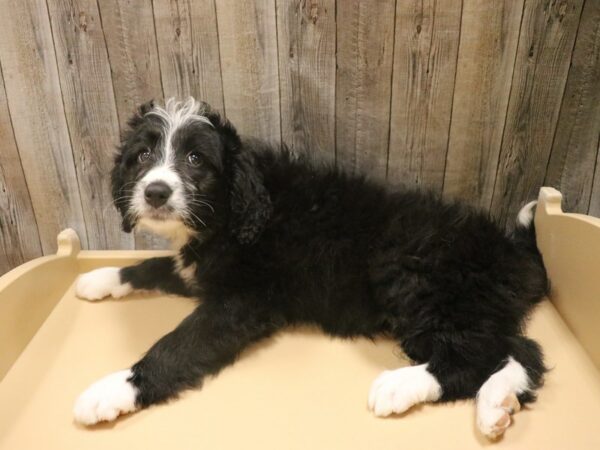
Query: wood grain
594	209
365	46
486	55
425	50
188	47
35	102
481	100
541	67
19	237
573	157
133	57
248	47
131	43
91	114
306	39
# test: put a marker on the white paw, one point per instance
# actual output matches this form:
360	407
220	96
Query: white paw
394	391
497	398
106	399
101	283
493	420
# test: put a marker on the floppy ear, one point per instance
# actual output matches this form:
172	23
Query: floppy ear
224	127
119	194
250	202
116	175
138	116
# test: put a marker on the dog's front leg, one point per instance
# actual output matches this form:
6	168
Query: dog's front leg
206	341
152	274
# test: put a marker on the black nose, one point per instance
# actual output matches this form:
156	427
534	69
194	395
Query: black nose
157	193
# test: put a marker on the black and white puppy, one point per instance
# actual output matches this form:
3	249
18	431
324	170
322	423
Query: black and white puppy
269	239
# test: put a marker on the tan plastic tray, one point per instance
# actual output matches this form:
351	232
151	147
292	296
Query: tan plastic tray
299	390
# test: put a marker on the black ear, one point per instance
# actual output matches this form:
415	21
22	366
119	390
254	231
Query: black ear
119	195
117	183
250	202
138	116
126	224
145	107
224	127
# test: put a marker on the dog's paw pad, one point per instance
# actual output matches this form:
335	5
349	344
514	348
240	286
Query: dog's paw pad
106	399
511	404
396	391
500	426
494	420
101	283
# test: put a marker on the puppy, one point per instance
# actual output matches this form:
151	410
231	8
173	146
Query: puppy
269	239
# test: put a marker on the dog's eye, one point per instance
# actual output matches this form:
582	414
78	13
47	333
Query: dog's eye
194	159
144	155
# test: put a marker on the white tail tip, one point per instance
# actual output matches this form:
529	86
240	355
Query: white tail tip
525	216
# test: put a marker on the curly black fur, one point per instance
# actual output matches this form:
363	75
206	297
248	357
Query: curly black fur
288	240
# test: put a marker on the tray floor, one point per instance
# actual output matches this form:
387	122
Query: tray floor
299	390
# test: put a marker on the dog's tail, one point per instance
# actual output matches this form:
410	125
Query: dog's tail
524	237
524	233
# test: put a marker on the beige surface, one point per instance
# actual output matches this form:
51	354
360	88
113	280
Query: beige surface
570	245
299	390
29	292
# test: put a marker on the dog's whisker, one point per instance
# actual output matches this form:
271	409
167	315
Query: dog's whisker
194	251
189	213
202	203
112	204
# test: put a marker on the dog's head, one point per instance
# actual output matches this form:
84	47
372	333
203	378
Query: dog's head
181	170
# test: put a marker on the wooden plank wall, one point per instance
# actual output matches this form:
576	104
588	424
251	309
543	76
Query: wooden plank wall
482	101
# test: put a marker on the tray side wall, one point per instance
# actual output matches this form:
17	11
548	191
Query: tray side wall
27	295
570	246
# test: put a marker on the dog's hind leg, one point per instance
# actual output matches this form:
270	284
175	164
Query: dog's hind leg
449	369
395	391
503	392
500	372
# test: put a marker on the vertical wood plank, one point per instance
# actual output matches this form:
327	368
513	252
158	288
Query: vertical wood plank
594	209
38	118
131	43
365	45
306	39
19	238
486	55
91	114
248	46
188	47
188	51
425	50
133	57
541	66
573	157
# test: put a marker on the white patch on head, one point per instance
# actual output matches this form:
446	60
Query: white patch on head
525	216
394	391
173	116
106	399
494	399
174	230
101	283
